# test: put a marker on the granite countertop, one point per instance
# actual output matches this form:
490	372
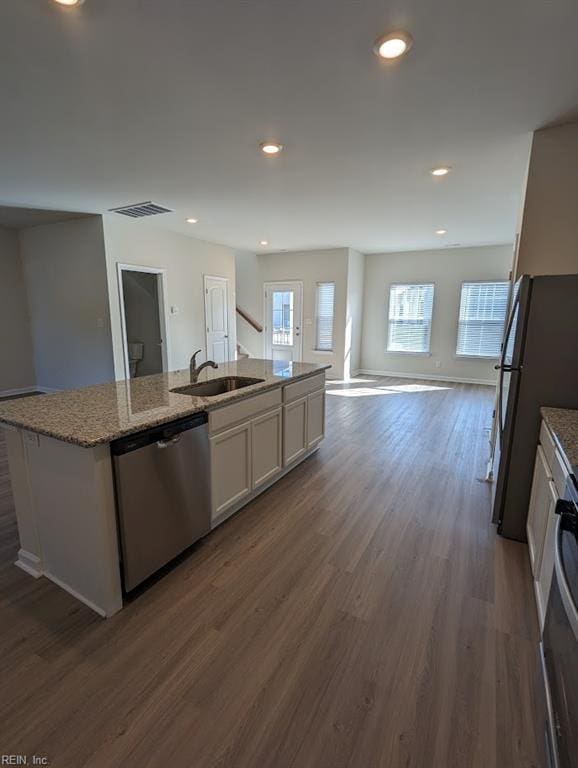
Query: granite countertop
563	423
102	413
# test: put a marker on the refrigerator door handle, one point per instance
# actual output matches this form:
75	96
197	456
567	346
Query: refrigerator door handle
507	368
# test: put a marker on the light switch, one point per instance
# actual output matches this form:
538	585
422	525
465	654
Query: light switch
99	322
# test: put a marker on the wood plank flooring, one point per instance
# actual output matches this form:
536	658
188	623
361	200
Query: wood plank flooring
361	613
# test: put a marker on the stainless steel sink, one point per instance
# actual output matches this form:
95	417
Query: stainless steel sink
216	386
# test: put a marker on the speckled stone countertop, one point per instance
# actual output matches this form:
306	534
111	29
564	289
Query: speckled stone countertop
102	413
563	424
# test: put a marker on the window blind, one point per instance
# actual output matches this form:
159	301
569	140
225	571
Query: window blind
483	308
410	314
325	300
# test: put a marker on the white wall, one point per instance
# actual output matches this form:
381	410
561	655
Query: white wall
249	298
549	235
185	260
447	269
16	357
312	267
67	294
354	319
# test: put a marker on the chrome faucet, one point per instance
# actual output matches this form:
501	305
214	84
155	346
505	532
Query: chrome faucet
195	370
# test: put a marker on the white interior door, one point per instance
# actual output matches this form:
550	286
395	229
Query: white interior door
217	318
283	321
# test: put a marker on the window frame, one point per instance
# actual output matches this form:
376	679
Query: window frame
457	355
425	353
316	349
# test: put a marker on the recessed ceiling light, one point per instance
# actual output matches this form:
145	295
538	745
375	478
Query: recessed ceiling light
393	45
263	242
191	220
69	2
441	231
443	170
270	147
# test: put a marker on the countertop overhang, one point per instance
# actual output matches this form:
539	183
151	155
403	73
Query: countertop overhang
563	423
102	413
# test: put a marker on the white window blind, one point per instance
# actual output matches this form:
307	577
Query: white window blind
483	308
410	313
324	306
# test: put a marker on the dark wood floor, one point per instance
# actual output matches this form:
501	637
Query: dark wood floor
360	613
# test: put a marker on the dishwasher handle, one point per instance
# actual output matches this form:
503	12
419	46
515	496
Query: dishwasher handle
164	435
168	443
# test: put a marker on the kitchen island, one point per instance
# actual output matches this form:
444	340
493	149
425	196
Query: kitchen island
59	452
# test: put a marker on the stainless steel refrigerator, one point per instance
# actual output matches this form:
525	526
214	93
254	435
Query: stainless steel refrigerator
538	366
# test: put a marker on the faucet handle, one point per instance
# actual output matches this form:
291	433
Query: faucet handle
194	357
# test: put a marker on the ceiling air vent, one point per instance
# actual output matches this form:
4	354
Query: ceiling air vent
138	210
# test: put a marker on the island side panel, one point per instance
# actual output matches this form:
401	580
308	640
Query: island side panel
73	499
29	554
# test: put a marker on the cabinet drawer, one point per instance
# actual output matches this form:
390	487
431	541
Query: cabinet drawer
559	473
547	443
301	388
221	418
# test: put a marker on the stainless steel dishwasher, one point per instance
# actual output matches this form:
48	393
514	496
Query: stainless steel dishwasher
162	484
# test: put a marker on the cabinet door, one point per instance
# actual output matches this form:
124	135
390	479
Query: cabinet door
538	510
544	575
294	430
315	418
230	467
266	446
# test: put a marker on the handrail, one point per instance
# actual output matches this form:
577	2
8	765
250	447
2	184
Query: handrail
247	317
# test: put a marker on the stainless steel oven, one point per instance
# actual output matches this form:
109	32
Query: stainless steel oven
560	639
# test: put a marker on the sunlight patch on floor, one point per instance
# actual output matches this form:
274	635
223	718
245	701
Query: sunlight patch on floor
392	389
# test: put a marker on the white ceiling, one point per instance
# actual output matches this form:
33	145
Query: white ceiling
121	102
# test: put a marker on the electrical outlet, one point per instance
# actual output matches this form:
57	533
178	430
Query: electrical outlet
438	363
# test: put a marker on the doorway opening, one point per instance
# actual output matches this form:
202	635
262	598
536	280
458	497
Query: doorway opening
283	320
143	320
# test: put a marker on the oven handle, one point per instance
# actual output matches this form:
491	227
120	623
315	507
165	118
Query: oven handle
565	594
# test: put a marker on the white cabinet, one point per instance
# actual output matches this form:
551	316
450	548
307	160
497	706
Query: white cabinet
548	484
266	444
543	578
253	440
230	467
315	418
294	430
538	510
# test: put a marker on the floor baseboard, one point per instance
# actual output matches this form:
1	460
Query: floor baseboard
18	391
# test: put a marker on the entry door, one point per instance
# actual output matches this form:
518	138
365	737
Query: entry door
217	318
283	338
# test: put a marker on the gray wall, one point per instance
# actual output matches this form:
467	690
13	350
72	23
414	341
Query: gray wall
447	269
312	267
549	234
249	298
65	271
16	357
185	260
354	319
